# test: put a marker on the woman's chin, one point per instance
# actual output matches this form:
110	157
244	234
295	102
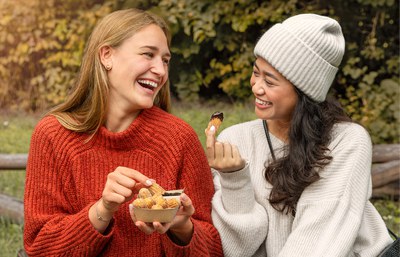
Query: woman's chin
261	115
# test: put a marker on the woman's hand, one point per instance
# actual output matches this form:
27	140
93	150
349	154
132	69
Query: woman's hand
180	228
120	187
223	157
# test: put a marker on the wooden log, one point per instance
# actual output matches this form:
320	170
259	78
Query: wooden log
390	191
12	208
385	173
22	253
13	161
385	153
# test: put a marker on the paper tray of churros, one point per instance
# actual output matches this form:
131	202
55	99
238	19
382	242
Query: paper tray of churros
156	204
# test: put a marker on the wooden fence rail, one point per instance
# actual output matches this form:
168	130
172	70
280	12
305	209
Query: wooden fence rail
13	161
385	177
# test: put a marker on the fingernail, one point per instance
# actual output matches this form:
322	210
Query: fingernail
212	128
148	182
130	208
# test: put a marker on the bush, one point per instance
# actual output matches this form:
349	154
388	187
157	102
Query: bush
41	44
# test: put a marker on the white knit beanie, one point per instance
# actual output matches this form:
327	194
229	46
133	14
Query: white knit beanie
307	50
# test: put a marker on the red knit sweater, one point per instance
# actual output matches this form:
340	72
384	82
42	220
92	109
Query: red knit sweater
65	176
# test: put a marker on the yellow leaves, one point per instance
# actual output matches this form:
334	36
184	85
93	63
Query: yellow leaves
5	20
10	38
350	68
220	67
41	45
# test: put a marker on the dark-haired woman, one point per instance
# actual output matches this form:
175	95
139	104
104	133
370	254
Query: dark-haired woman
296	181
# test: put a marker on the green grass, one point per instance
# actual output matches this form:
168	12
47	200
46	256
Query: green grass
15	133
10	238
198	115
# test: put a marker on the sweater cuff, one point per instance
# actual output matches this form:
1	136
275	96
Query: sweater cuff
99	240
203	243
173	249
237	191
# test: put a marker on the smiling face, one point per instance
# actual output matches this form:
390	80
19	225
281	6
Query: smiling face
275	96
139	68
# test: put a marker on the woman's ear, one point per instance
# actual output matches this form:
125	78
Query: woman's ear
106	57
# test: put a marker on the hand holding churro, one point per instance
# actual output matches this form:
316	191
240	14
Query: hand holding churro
223	157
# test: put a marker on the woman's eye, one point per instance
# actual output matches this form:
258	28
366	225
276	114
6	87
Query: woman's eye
166	61
148	54
267	82
255	73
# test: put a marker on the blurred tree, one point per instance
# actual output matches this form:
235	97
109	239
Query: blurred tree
214	42
368	84
41	44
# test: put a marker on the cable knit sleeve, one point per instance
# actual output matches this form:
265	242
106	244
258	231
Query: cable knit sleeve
196	179
330	211
49	222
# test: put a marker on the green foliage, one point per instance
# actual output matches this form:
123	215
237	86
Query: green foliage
390	212
41	45
216	39
369	87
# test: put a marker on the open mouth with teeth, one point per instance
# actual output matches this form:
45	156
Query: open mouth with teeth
261	102
148	84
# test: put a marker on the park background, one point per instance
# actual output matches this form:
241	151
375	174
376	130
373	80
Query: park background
41	45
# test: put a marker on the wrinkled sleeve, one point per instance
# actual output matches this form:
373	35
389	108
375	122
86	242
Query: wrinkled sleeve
51	228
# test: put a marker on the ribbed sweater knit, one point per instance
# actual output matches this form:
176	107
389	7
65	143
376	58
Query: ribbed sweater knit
334	217
66	176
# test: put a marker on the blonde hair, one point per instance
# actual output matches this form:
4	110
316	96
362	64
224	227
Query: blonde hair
85	108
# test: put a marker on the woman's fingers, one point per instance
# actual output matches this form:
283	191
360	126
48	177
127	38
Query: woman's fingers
238	161
227	158
210	142
148	228
161	228
219	152
187	204
221	156
121	186
134	176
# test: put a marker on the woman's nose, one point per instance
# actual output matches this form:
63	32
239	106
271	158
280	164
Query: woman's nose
159	68
257	88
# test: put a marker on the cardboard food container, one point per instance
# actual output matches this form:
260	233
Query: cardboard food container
163	215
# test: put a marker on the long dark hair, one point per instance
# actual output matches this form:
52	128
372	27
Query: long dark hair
306	153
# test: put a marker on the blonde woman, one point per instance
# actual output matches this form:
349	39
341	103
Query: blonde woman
112	136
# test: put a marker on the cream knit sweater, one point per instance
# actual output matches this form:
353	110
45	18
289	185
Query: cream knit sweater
333	217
